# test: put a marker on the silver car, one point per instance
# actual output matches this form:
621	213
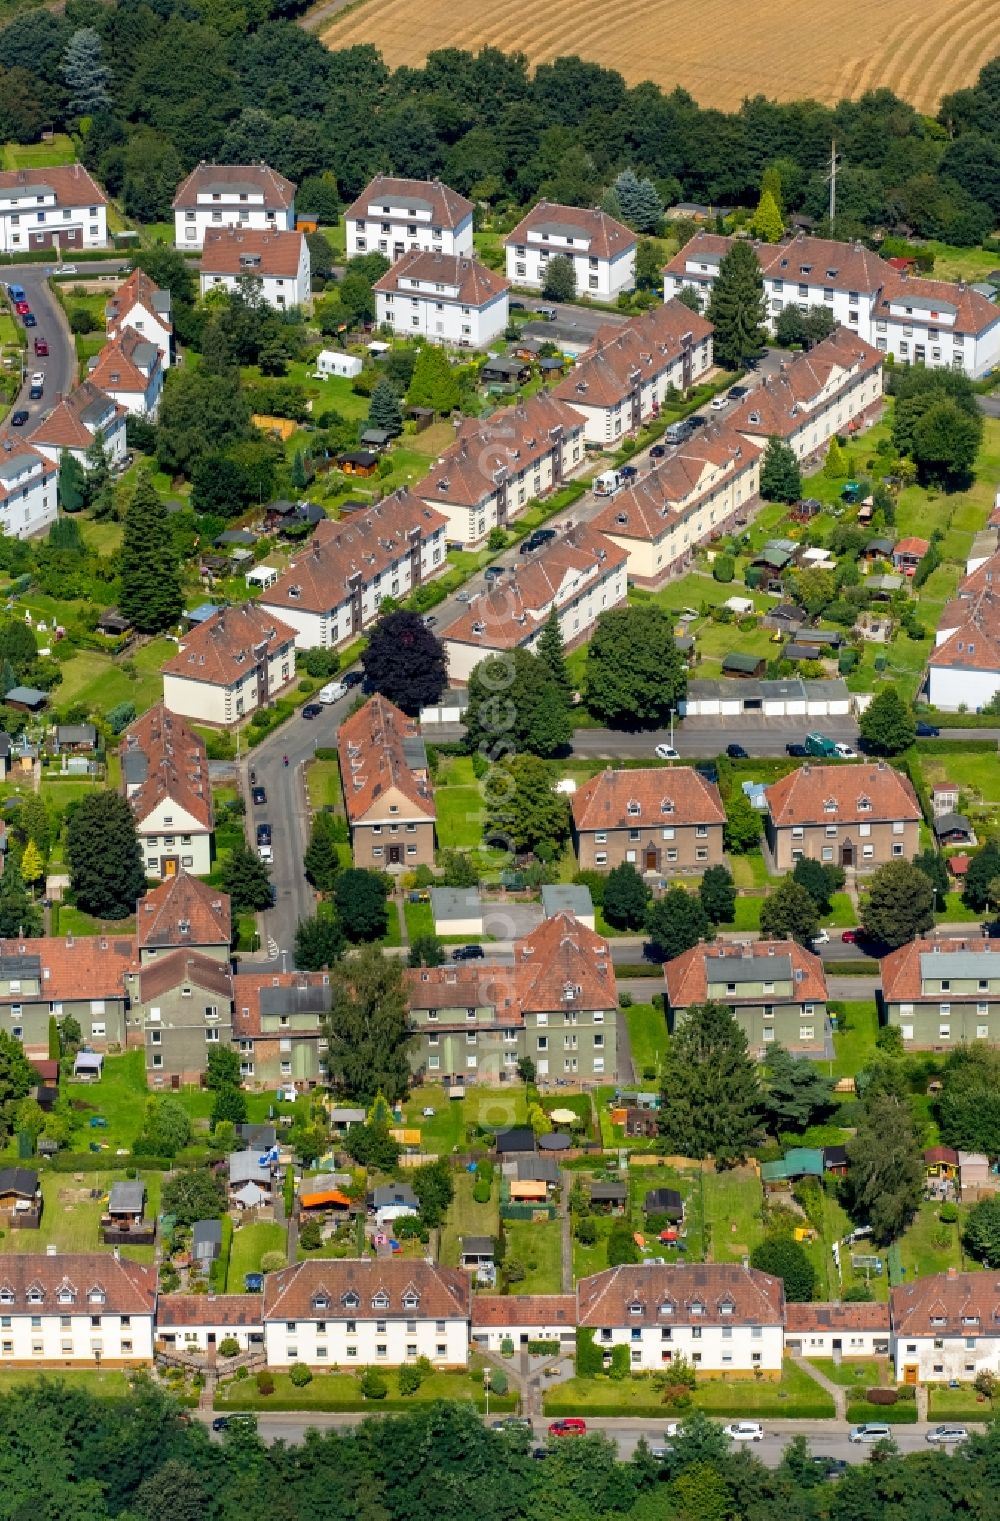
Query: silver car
947	1434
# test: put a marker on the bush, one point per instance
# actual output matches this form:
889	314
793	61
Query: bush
498	1381
620	1363
410	1379
881	1396
271	1262
544	1348
373	1385
507	1347
265	1382
228	1346
948	1214
300	1375
589	1359
481	1191
310	1235
586	1231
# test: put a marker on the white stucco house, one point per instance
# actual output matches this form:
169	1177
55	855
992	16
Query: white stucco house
250	196
945	1326
238	660
78	1308
279	261
130	370
394	216
77	420
445	298
366	1313
520	1318
61	207
601	249
28	496
837	1330
201	1322
140	304
964	666
164	769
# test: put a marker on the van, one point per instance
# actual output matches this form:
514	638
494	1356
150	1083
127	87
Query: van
677	433
608	483
870	1432
818	744
264	842
332	692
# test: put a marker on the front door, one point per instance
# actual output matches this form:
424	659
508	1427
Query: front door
168	866
847	854
651	858
395	855
910	1373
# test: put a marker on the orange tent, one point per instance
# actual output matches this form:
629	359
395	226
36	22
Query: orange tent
327	1196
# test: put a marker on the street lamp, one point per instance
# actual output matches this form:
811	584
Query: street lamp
486	1389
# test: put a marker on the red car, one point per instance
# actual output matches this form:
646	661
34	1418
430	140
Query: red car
22	308
571	1426
852	936
41	348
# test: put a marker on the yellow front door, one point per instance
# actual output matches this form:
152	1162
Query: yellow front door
910	1373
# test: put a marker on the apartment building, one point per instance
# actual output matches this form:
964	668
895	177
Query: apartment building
581	575
366	1313
333	589
444	298
661	822
76	421
253	197
141	305
184	1000
466	1022
852	816
87	977
600	249
199	1322
28	496
837	1330
164	769
705	487
388	795
964	667
499	464
834	389
775	990
397	216
77	1308
183	914
721	1318
279	1028
59	208
276	260
129	369
626	375
932	322
238	660
943	992
945	1327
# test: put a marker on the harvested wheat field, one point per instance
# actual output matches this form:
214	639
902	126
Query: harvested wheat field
788	49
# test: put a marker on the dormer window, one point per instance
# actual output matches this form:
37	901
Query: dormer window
666	805
411	1300
96	1295
380	1301
864	805
65	1294
727	1307
36	1294
697	1308
350	1300
830	805
321	1301
666	1307
633	810
635	1308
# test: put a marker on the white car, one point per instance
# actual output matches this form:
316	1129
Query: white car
871	1431
948	1434
38	379
719	403
822	937
68	269
845	752
745	1431
666	752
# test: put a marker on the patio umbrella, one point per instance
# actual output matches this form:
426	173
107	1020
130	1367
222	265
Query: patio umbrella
562	1116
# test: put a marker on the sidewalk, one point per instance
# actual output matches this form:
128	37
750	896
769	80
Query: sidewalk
837	1392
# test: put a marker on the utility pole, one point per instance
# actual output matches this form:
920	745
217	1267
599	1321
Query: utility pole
832	177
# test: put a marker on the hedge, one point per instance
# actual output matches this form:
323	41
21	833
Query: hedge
818	1408
589	1358
863	967
248	1398
544	1348
959	721
861	1413
103	1161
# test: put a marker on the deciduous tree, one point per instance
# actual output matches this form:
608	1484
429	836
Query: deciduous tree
886	1174
246	879
718	894
19	916
887	725
625	897
514	704
405	662
744	825
676	922
522	808
785	1258
982	1231
194	1194
899	903
105	859
789	913
634	674
319	942
560	279
367	1028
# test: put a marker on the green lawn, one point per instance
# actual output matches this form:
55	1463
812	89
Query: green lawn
733	1202
106	1383
71	1217
647	1034
250	1242
339	1391
50	155
538	1246
323	784
467	1218
962	1404
794	1396
929	1247
460	815
855	1045
99	682
852	1373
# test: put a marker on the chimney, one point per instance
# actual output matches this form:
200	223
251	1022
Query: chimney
953	1272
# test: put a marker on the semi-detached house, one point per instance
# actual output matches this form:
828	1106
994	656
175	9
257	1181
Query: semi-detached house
600	249
129	369
946	1327
164	767
394	216
88	978
964	667
59	207
581	575
933	322
76	421
625	376
388	796
334	588
445	298
852	816
661	821
279	1027
141	305
28	498
774	989
703	488
943	992
81	1308
184	1002
238	660
499	464
834	389
249	196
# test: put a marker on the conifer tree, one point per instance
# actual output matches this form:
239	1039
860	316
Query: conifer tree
835	466
384	411
780	477
767	223
72	482
151	593
551	653
737	307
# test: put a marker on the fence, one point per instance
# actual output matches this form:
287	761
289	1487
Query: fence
530	1212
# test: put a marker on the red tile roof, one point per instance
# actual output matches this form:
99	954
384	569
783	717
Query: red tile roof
783	403
900	969
800	260
168	972
84	966
73	186
182	913
27	459
223	649
564	965
291	1294
180	1310
677	486
138	290
986	577
622	357
689	974
126	363
448	208
75	419
129	1288
947	1304
231	180
513	611
364	544
974	313
523	1310
466	985
176	766
247	989
474	284
974	645
911	546
754	1298
601	235
801	796
937	1154
373	760
637	799
270	254
836	1317
511	440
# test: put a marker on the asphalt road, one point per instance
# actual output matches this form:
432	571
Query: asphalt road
826	1438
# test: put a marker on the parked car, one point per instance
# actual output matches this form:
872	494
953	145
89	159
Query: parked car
68	269
737	752
628	472
259	796
831	1468
353	679
18	418
332	692
666	752
927	731
571	1425
871	1431
41	348
845	752
494	572
468	953
16	292
798	751
38	378
547	313
537	539
429	620
737	393
822	937
312	710
21	307
719	403
263	834
35	393
515	306
658	451
744	1431
29	319
697	421
943	1435
223	1422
